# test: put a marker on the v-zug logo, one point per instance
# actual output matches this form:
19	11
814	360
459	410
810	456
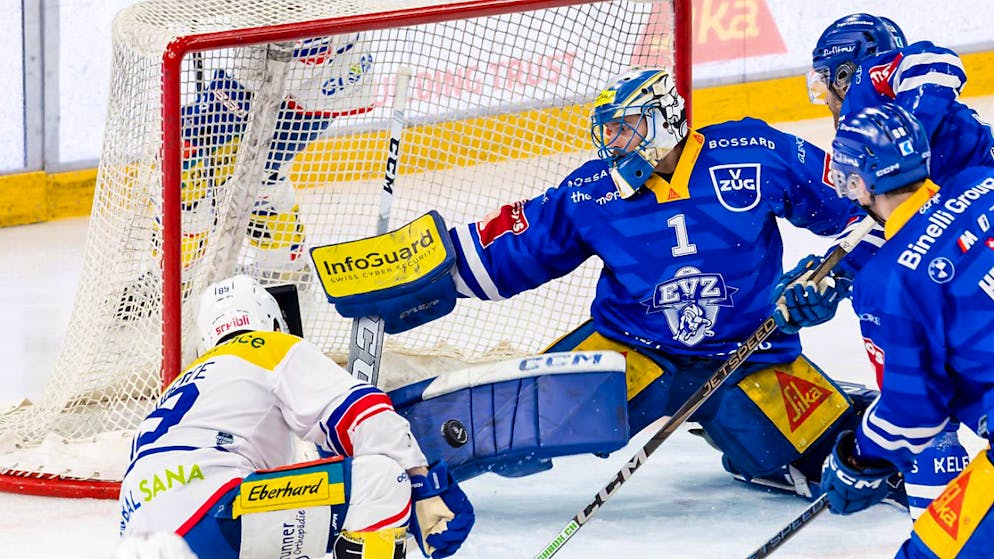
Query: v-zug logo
690	303
737	186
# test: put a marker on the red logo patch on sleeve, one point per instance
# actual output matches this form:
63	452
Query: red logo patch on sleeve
880	76
826	169
876	356
506	219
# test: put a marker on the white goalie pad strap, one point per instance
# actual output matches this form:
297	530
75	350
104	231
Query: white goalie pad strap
537	365
285	533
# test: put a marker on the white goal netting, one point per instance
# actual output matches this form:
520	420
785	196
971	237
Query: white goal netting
278	114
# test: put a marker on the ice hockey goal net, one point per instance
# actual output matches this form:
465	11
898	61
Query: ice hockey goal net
240	133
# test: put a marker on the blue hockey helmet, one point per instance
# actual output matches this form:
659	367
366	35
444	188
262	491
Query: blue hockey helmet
650	95
842	46
882	147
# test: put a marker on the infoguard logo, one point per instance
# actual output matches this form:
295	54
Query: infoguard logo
373	260
384	261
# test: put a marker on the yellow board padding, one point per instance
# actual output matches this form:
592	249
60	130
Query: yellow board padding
37	196
786	99
445	145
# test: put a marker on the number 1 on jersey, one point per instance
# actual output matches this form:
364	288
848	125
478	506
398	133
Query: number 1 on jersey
683	245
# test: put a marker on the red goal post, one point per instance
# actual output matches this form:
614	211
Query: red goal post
240	133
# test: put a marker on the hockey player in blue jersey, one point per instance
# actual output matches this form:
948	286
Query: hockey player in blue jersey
684	222
926	299
862	60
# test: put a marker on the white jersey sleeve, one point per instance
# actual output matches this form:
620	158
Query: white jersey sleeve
325	405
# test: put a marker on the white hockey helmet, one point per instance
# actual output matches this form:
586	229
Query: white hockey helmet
235	304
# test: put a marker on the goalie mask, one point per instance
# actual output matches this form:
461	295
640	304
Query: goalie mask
234	305
840	49
636	121
881	148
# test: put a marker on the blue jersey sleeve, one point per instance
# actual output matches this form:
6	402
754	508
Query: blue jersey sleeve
813	204
811	201
523	245
927	80
903	333
923	78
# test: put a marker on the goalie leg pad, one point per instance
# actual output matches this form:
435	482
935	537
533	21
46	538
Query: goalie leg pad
301	509
390	543
511	417
775	415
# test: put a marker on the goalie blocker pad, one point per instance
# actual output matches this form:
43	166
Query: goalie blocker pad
404	276
512	416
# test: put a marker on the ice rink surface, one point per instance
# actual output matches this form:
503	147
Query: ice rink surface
680	504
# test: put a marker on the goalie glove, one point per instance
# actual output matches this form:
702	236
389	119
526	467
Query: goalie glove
443	515
849	484
801	302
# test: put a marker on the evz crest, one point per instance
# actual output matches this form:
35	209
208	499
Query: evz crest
690	302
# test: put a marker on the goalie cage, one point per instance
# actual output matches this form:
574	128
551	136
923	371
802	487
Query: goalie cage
241	132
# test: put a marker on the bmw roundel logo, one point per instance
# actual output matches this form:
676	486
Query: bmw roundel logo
455	433
941	270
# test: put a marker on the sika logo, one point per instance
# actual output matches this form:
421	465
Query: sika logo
946	508
800	397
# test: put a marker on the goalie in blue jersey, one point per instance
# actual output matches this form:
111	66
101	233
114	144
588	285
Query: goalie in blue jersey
685	224
927	298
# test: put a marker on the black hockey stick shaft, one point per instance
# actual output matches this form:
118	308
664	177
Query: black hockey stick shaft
698	398
366	341
807	515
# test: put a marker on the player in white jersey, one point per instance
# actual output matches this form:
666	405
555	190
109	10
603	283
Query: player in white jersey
213	462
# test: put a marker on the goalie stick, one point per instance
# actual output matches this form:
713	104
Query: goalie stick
696	399
366	342
785	533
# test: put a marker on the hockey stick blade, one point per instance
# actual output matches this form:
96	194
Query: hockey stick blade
807	515
366	342
698	398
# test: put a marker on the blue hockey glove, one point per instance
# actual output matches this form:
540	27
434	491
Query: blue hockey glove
850	486
801	302
443	516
